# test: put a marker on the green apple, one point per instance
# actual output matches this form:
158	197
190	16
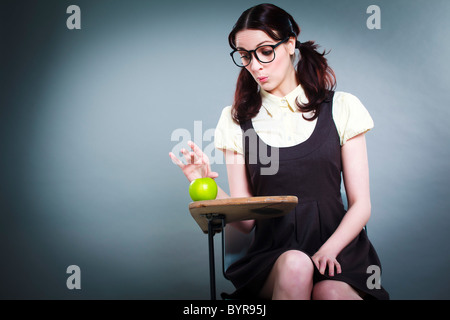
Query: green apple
203	189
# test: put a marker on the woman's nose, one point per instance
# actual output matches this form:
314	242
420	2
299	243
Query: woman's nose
255	64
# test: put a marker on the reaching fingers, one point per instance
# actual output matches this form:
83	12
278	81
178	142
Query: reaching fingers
213	175
188	156
176	160
198	153
195	148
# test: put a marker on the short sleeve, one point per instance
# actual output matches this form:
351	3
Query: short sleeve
350	116
228	134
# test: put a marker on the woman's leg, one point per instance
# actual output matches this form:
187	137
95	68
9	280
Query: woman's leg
291	277
334	290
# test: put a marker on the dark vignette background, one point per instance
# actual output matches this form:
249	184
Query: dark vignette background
86	121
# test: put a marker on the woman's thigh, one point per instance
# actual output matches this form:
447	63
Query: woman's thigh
334	290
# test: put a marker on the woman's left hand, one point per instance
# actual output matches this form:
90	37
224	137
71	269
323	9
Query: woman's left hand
322	260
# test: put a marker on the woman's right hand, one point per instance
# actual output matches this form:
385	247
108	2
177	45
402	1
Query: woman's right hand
197	163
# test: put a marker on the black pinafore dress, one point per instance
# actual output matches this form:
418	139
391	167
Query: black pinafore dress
311	171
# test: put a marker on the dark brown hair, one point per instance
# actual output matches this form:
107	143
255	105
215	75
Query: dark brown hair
313	72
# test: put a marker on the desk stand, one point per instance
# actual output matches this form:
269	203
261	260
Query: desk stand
212	229
212	215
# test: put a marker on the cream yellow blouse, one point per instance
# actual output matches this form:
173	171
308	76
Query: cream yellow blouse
280	124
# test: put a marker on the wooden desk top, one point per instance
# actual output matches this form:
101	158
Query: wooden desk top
238	209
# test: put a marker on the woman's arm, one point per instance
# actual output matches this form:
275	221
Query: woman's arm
355	169
197	166
238	184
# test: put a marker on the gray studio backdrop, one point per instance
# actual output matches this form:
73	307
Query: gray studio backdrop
86	124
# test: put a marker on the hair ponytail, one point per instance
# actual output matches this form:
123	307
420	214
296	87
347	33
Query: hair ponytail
315	76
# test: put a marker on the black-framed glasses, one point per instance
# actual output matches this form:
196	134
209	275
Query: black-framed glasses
263	54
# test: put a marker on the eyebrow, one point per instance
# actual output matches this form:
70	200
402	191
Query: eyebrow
259	44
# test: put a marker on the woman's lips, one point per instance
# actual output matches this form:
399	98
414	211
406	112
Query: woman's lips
262	79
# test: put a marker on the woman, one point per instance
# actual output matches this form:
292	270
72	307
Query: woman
319	250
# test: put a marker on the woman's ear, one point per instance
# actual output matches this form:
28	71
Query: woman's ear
291	45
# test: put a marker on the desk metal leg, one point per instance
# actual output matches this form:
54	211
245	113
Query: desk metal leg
212	270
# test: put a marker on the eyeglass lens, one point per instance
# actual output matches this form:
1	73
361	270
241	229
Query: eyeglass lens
264	54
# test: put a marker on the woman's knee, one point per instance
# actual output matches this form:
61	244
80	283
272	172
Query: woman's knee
295	265
291	277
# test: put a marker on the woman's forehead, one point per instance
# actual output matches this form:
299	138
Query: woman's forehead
250	38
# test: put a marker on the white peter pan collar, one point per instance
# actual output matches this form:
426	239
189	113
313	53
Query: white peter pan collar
273	103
